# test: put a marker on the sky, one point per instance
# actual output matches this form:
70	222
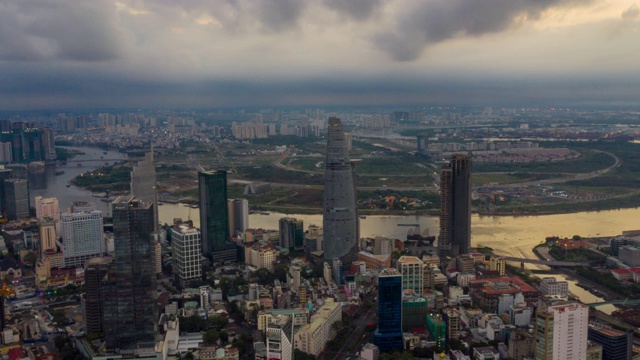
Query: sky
60	54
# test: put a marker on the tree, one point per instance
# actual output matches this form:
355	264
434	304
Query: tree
224	336
301	355
219	322
210	337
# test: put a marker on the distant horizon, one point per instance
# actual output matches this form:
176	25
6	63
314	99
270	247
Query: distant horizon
126	54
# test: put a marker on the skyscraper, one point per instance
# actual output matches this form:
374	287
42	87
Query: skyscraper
143	183
16	194
130	313
388	335
240	215
214	216
455	207
340	217
291	233
616	344
561	332
91	301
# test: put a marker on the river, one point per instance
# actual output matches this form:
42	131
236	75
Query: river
507	235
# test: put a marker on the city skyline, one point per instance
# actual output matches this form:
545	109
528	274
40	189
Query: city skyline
220	54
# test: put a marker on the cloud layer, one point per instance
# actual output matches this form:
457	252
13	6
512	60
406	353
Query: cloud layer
67	53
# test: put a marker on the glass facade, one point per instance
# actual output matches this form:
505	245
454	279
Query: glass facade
214	216
130	313
388	336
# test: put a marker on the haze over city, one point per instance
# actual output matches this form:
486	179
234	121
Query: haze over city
207	54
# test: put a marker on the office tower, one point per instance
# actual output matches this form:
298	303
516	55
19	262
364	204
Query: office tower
16	193
143	183
561	332
6	155
47	230
280	337
291	233
412	270
455	207
82	234
186	255
5	174
616	344
95	270
388	335
214	216
422	145
47	207
340	218
231	220
130	314
240	215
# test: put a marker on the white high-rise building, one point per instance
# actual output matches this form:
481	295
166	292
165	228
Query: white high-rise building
411	269
82	237
280	338
562	331
186	254
47	207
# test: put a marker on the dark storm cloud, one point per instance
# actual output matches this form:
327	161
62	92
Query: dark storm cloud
33	30
356	9
432	22
279	15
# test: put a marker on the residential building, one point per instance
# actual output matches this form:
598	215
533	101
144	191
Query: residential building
485	353
279	335
291	233
47	230
550	286
299	317
616	344
214	216
451	317
455	207
313	337
412	271
630	255
82	237
382	245
340	217
499	264
561	332
47	207
16	194
186	255
388	335
130	314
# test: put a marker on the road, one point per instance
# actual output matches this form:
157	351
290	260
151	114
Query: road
356	339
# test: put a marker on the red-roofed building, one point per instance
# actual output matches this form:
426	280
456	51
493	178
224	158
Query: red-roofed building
485	292
572	244
622	274
17	354
635	274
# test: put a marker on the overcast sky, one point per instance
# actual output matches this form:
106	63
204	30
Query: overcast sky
227	53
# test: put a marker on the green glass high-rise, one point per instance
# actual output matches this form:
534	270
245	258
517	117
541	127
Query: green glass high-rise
214	216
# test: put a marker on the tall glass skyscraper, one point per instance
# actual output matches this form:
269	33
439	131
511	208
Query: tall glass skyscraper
455	207
214	216
130	314
340	217
388	335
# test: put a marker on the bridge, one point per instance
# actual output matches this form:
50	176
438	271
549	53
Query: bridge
92	160
545	262
634	302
